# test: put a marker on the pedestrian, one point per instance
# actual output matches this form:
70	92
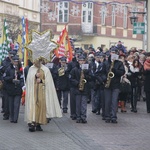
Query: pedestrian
6	63
63	83
71	65
147	81
134	70
79	79
41	100
114	69
14	83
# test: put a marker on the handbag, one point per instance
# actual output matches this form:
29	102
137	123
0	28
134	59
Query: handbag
125	86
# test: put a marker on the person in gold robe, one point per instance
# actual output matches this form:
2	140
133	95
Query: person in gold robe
41	100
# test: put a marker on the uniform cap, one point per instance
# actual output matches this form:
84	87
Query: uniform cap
63	59
81	57
15	58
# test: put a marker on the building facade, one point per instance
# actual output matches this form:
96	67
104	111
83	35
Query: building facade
93	23
14	10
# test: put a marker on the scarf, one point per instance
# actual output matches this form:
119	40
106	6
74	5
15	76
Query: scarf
147	65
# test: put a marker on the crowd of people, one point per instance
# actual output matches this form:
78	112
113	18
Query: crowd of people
107	80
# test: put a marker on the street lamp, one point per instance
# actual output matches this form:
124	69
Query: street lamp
133	19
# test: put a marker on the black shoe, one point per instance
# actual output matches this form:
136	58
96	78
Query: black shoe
107	121
114	121
12	121
132	110
135	111
94	111
64	111
32	128
38	128
88	101
16	121
73	118
98	113
83	121
5	118
78	121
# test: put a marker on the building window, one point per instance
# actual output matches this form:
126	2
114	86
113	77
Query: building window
87	12
103	15
63	12
125	17
113	15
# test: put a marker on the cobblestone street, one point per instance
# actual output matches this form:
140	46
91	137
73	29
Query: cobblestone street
131	133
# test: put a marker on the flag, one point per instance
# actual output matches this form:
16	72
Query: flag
26	42
19	40
23	34
64	48
5	42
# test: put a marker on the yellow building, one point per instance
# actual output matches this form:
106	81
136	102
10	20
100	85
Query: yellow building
14	10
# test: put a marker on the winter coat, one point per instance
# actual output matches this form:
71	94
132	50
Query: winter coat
118	70
75	80
13	88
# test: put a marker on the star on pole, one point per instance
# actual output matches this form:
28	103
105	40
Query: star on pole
41	45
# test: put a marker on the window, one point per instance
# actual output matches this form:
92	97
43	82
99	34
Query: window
63	12
103	15
125	17
87	12
113	15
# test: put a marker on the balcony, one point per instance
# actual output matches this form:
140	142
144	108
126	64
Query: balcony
89	30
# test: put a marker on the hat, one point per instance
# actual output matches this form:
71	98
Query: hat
15	58
107	53
78	51
97	54
12	53
114	49
102	54
81	57
63	59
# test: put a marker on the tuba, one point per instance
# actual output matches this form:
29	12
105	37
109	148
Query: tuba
110	75
82	81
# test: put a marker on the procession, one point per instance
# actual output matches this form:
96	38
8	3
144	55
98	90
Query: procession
61	80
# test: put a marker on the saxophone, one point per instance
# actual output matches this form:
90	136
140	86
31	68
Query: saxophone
82	81
61	70
110	75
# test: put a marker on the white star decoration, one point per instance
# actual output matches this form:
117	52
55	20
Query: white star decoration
75	10
45	7
52	16
41	45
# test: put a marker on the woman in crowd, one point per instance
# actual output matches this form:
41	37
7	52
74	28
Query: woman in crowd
147	81
134	70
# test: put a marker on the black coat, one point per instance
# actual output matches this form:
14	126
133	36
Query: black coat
147	80
12	88
74	63
75	80
98	76
61	82
118	70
